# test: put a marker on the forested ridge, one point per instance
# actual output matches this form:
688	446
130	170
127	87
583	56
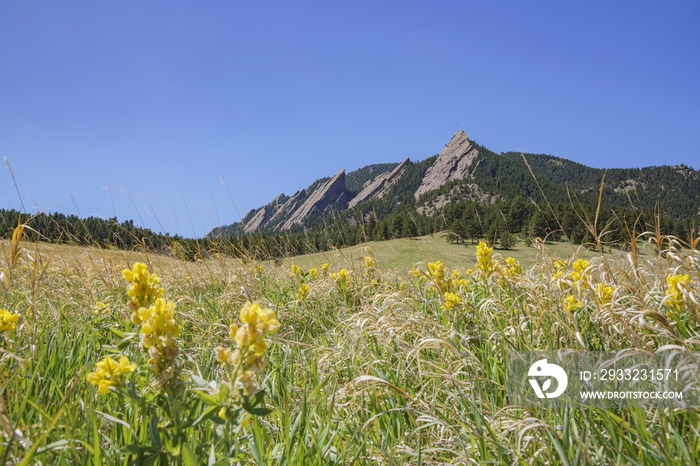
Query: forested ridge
504	197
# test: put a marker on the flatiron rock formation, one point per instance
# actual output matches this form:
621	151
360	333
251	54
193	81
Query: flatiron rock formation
452	164
379	186
331	193
255	222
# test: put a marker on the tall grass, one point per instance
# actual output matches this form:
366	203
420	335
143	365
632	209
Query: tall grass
370	368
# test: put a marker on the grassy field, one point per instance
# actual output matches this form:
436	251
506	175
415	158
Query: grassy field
402	254
388	357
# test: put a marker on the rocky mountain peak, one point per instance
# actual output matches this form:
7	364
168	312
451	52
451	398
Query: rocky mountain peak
453	163
330	193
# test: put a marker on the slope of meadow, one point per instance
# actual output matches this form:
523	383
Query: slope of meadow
378	359
402	254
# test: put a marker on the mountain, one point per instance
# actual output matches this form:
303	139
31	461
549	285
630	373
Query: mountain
466	171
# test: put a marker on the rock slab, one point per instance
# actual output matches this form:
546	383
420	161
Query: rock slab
453	163
379	186
332	192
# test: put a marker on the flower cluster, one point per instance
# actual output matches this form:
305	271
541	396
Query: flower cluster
255	270
8	321
324	269
341	277
144	290
296	271
437	272
110	373
314	273
604	294
512	269
100	308
157	320
571	303
451	300
249	355
485	263
303	292
158	333
676	285
577	279
559	269
579	274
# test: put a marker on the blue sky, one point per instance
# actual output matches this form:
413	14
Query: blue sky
145	97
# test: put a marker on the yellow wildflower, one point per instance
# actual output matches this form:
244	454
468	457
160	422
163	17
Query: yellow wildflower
158	333
8	321
676	285
451	300
248	357
144	289
109	373
462	283
100	308
303	292
604	294
261	319
223	355
314	273
559	269
485	263
437	272
579	274
512	268
296	271
159	326
369	262
343	274
324	269
572	304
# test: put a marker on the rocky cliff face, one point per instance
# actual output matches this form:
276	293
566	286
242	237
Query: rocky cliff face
331	194
255	222
284	209
453	163
379	186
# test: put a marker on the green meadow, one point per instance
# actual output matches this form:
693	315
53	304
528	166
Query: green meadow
396	353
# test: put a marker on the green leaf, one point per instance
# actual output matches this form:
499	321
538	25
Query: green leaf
154	433
212	456
59	445
131	391
222	394
117	332
206	397
188	456
211	411
114	419
260	411
199	382
123	344
249	404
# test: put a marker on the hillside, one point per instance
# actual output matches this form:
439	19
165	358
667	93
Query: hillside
466	171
